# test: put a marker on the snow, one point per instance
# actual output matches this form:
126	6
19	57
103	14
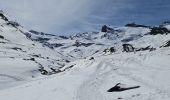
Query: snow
16	50
80	77
167	26
90	80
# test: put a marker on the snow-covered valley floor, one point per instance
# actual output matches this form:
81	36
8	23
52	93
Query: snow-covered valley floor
90	79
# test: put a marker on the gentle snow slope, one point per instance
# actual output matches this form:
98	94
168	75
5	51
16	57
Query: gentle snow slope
90	79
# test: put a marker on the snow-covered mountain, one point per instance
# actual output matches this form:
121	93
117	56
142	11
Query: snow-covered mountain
22	58
128	63
86	44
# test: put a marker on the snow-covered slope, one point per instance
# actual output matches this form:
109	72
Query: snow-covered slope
91	79
128	63
22	59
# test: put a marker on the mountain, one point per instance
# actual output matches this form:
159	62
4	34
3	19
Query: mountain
23	58
82	45
129	63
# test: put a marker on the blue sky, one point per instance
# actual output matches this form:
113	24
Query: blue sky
72	16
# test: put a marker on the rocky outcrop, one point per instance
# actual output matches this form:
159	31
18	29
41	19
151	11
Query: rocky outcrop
78	44
159	30
107	29
3	16
128	48
146	48
136	25
1	37
167	44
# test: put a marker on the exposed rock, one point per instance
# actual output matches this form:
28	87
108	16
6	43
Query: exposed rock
106	50
3	17
146	48
43	71
104	28
16	48
32	59
107	29
112	49
128	48
12	23
40	33
167	44
159	30
63	37
136	25
92	58
35	55
2	37
78	44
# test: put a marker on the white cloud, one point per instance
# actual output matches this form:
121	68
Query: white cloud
59	16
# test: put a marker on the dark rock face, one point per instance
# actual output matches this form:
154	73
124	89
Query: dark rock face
104	28
146	48
105	50
43	71
167	44
34	32
3	17
32	59
112	49
52	46
16	48
136	25
107	29
127	39
87	44
41	40
12	23
35	55
78	44
159	30
2	37
128	48
56	45
41	33
92	58
63	37
28	35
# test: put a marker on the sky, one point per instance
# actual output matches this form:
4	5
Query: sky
73	16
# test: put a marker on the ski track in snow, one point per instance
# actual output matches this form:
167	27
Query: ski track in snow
89	89
11	77
89	80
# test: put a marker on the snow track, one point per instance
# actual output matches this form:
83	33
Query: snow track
89	89
90	80
106	71
11	77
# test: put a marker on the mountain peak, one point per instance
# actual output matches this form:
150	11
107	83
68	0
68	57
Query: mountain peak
106	28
